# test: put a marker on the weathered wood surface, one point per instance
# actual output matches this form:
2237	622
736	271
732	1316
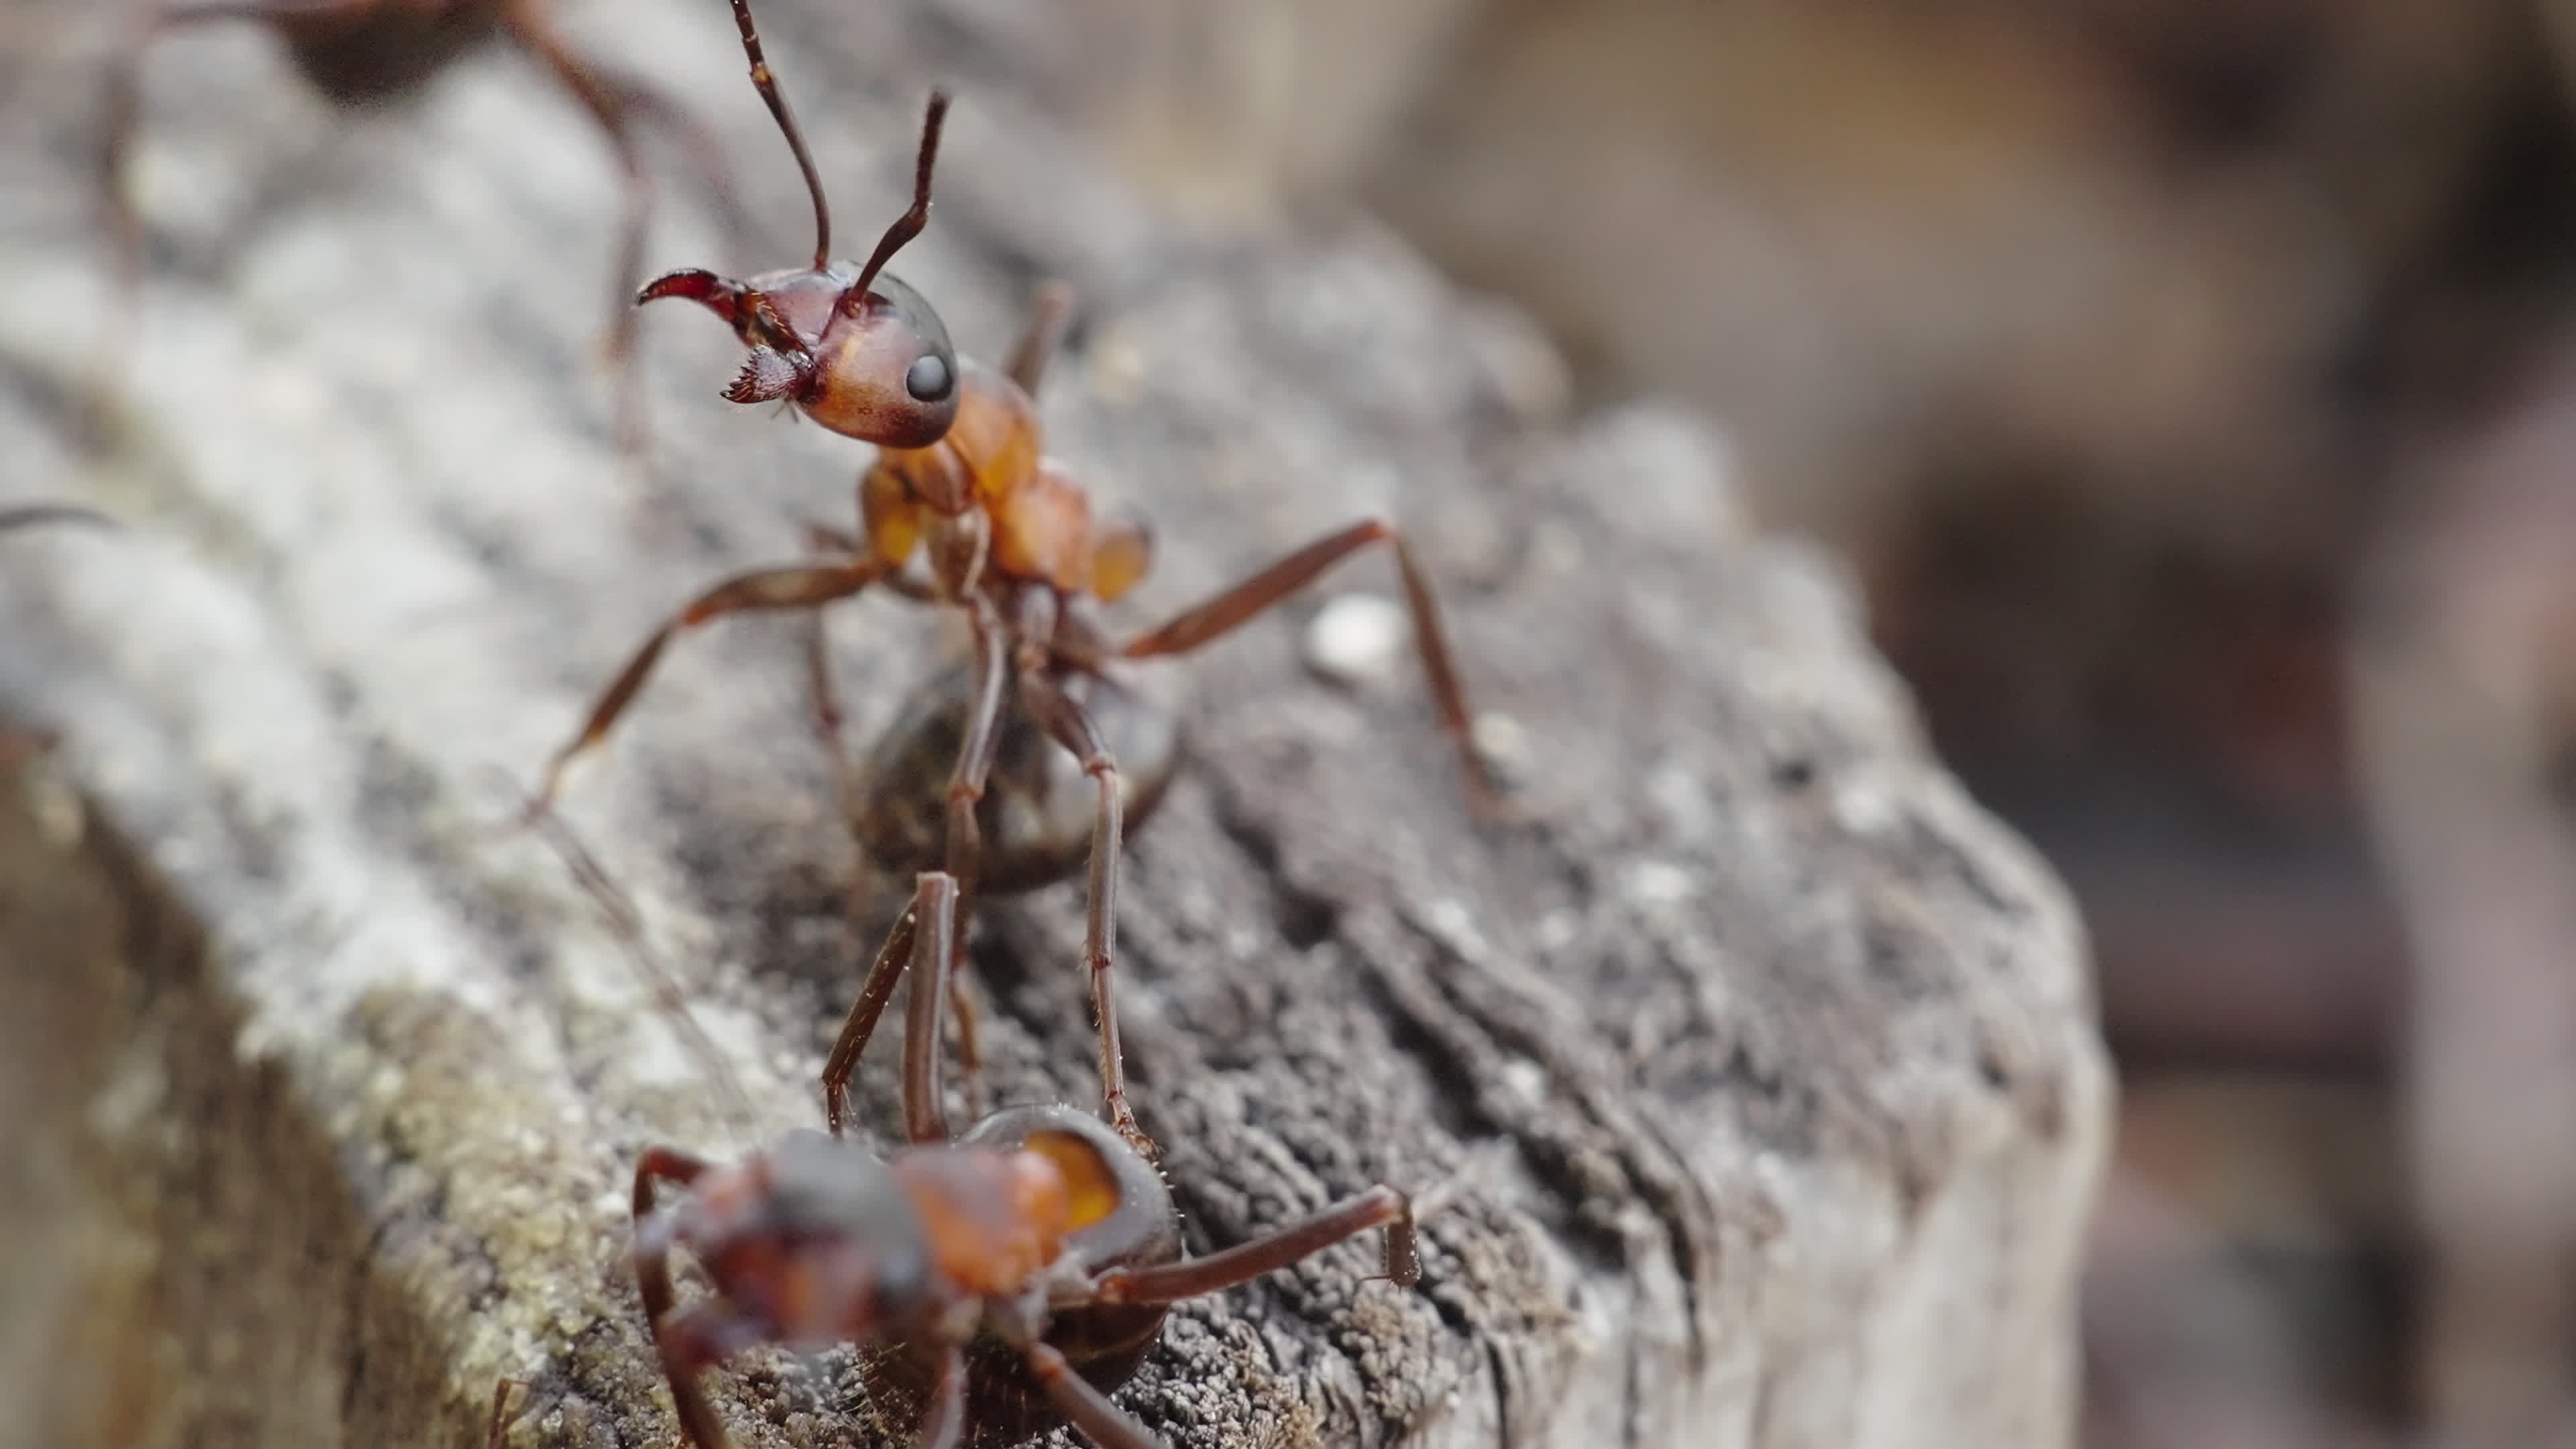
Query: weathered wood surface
1761	1061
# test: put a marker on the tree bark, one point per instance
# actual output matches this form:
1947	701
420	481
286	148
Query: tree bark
1756	1068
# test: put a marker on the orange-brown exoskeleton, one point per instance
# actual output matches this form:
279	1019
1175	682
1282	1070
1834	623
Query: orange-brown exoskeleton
1003	532
1008	1278
364	53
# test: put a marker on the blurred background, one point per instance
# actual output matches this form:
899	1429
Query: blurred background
2190	384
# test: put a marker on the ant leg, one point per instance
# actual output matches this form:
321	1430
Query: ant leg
688	1342
1215	617
694	1337
652	1240
965	852
607	104
760	590
864	1013
1047	319
1083	1405
1171	1282
1071	726
934	910
498	1430
943	1424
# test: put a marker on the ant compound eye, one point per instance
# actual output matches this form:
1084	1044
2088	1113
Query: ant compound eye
930	378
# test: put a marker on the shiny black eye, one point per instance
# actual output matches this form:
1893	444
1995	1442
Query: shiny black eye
929	378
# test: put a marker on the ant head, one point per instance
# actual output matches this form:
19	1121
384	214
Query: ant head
813	1227
862	354
873	364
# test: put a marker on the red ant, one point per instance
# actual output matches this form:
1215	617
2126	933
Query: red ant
1026	1266
363	52
1008	533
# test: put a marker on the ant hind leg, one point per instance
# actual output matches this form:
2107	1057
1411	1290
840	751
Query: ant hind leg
1379	1207
1230	609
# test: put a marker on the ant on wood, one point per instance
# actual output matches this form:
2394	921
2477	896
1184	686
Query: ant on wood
1008	534
362	53
1003	1279
1013	1275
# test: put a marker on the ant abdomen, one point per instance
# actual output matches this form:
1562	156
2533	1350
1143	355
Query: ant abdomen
371	56
1123	1217
1038	809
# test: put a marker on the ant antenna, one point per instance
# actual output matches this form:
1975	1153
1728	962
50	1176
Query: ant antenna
767	85
628	925
908	225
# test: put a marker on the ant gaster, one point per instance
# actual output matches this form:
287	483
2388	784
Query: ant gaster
1016	1274
1036	815
362	53
1008	533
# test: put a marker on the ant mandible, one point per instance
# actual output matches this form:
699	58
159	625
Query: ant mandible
1008	534
363	52
1025	1267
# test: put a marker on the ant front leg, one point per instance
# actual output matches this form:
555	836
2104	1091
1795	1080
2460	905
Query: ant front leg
1227	611
652	1239
1171	1282
686	1341
1071	726
762	590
